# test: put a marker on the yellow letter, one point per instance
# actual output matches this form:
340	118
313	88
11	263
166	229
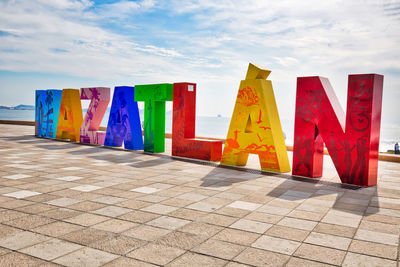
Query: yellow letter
255	126
70	118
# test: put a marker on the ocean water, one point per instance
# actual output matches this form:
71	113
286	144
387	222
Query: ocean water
218	126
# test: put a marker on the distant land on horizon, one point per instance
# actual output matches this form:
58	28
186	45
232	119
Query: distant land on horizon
19	107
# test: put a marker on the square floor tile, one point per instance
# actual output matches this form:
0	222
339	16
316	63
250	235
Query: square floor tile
17	176
112	211
328	240
63	202
87	219
157	254
118	244
86	257
251	226
71	169
219	249
146	190
353	259
69	178
168	222
276	244
115	225
86	188
298	223
146	232
21	240
159	209
109	199
244	205
22	194
51	249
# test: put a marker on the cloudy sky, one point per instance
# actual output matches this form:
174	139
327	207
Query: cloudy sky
80	43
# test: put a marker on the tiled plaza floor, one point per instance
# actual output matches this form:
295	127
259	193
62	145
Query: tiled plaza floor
75	205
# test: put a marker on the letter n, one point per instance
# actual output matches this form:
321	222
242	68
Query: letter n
352	140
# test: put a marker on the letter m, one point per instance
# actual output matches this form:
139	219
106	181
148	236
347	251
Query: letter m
352	140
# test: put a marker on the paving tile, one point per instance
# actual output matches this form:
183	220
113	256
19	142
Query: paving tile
259	257
22	194
187	214
244	205
18	259
353	259
374	249
115	225
192	196
21	240
328	240
287	233
139	216
168	222
236	236
342	218
298	223
118	244
86	206
86	257
219	249
128	262
6	230
86	236
112	211
380	227
182	240
146	189
204	206
63	202
275	244
218	219
196	260
274	210
86	188
298	262
155	253
29	222
109	199
56	229
87	219
159	209
333	229
200	228
146	232
60	213
69	178
51	249
251	226
321	254
378	237
17	176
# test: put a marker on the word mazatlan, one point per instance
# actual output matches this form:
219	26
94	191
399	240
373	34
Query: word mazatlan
352	140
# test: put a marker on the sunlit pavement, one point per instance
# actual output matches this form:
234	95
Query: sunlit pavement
76	205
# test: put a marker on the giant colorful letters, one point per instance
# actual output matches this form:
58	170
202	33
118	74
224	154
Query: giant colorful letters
47	112
255	127
154	97
70	117
352	141
100	97
184	143
124	121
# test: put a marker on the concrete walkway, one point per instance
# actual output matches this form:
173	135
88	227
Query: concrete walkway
75	205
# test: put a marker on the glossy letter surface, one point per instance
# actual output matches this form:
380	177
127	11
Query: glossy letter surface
124	121
100	97
39	111
255	127
352	140
51	112
184	143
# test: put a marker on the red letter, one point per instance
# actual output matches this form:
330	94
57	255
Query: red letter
183	127
320	119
